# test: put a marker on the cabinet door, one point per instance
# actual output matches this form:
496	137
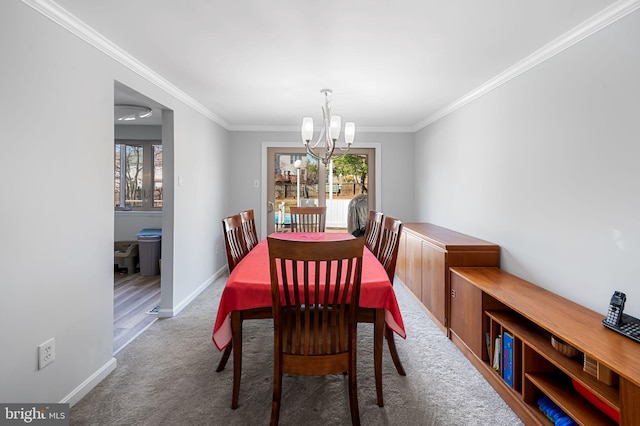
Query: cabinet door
413	264
466	314
433	290
401	265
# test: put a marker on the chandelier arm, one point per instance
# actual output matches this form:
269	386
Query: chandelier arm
329	154
326	117
319	138
313	154
327	138
334	157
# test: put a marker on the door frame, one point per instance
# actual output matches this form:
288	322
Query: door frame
376	146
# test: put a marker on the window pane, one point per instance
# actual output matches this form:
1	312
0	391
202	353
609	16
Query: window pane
138	176
116	178
351	172
133	176
287	187
157	176
345	179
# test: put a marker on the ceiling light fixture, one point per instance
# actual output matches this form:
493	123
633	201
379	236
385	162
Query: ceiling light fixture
330	132
131	112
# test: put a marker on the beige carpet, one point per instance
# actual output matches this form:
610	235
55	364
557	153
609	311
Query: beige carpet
167	377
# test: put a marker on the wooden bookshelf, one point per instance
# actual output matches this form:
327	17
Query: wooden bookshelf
489	301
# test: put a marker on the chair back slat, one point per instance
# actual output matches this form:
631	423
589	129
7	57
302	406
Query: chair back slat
234	240
308	219
389	245
372	233
249	229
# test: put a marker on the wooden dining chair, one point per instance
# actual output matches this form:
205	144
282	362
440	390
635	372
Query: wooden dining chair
236	246
249	228
234	240
308	219
372	233
315	315
388	257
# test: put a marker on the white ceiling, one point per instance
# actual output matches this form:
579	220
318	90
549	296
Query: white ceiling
392	65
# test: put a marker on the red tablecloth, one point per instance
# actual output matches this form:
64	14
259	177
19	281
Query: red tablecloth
249	286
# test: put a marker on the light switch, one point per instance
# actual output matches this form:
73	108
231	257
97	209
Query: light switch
256	183
179	180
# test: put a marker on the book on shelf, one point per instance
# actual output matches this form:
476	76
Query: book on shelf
496	353
507	361
487	340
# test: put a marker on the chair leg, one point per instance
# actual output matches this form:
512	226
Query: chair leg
277	394
225	357
236	340
378	331
353	393
388	333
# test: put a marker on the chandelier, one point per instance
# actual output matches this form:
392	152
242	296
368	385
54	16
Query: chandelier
329	133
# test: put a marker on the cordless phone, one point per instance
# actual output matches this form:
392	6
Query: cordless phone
620	322
616	306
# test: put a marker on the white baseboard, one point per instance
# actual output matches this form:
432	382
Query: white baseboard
168	313
78	393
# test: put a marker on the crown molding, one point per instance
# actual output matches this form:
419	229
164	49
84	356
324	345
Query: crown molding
247	128
592	25
265	128
71	23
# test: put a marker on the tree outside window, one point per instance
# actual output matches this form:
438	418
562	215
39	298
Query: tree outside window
138	175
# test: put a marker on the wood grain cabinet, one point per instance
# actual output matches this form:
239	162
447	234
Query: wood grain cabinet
427	252
489	302
466	314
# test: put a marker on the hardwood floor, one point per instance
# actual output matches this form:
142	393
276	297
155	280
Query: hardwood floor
134	296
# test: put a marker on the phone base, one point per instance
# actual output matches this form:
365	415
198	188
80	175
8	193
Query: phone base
629	327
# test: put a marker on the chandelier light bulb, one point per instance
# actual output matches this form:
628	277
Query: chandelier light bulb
349	132
307	129
334	127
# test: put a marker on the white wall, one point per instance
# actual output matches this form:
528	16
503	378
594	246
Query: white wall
546	166
397	180
127	224
57	226
135	132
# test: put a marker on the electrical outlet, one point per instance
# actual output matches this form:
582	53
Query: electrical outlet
46	353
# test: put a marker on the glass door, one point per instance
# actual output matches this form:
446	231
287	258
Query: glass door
344	187
348	195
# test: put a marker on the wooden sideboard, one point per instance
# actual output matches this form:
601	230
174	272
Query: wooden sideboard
488	302
425	255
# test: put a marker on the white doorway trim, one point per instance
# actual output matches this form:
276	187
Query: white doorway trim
263	193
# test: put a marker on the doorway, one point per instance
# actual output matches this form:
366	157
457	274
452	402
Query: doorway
295	178
146	204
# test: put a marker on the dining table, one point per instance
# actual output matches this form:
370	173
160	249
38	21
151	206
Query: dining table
247	295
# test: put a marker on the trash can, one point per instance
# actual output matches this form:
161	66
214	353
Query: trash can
149	246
